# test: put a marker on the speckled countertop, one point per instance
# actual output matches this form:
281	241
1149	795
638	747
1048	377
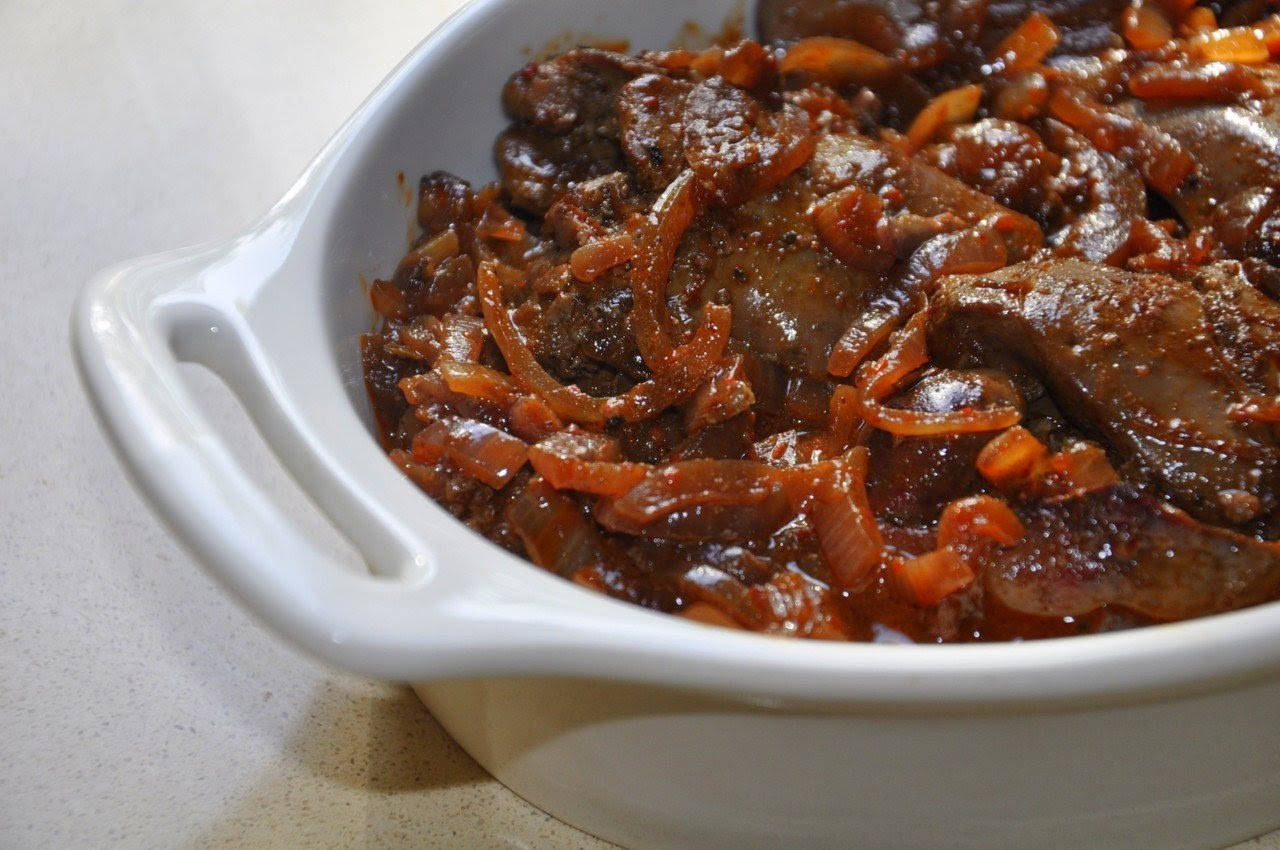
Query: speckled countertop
138	705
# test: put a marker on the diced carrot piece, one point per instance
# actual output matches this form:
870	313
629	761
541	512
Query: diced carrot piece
1011	458
979	516
929	578
950	107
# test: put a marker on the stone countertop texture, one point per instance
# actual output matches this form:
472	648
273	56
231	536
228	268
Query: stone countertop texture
139	706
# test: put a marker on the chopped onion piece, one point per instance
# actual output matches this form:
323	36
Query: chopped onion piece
705	481
472	379
590	463
388	300
1078	469
1199	21
708	614
1215	81
532	419
556	535
482	451
916	423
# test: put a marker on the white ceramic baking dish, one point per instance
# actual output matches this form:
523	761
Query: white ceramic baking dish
645	729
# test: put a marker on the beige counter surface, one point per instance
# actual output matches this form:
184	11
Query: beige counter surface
138	705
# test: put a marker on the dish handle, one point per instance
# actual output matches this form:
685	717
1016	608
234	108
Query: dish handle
125	327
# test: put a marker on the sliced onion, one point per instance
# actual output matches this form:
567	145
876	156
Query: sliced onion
461	337
454	335
848	538
1160	160
656	244
1199	20
1256	409
567	401
687	369
1215	81
556	534
728	524
477	449
746	65
708	615
1028	45
476	381
1078	469
907	352
587	462
844	418
388	301
979	516
973	250
596	257
916	423
431	253
725	394
870	329
791	603
1022	98
849	222
833	494
500	226
425	476
683	485
717	588
532	419
423	388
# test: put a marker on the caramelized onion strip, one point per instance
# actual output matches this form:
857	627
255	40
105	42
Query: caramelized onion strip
568	402
907	353
688	368
689	483
555	533
915	423
656	244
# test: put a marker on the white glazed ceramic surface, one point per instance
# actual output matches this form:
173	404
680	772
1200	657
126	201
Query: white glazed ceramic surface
642	728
